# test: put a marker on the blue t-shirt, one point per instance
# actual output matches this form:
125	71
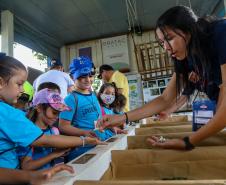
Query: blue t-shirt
107	132
108	111
38	152
15	130
119	113
83	112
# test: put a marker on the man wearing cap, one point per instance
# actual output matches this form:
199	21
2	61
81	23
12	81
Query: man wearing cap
57	76
107	74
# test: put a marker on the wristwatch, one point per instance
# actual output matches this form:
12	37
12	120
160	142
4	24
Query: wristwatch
188	145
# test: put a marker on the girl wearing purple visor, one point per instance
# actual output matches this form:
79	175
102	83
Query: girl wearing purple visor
50	97
47	104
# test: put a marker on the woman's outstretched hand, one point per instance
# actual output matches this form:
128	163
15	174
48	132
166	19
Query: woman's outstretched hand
109	121
162	116
161	142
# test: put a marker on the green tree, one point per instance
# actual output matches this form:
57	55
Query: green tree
39	56
42	58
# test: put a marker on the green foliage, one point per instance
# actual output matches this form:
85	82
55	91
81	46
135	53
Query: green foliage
96	84
39	56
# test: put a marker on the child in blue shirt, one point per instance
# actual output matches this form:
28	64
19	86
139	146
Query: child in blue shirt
118	108
119	104
44	114
108	97
84	105
15	129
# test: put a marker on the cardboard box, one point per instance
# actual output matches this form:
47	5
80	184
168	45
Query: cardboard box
163	129
180	118
140	141
151	182
166	124
199	164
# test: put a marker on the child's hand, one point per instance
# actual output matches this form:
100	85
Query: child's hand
119	131
94	141
90	133
59	153
39	177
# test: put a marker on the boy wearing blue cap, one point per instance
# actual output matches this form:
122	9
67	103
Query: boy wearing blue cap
85	108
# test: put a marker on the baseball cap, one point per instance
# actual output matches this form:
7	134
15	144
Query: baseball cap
54	62
81	66
51	97
106	68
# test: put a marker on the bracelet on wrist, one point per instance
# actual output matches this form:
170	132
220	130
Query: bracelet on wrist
188	144
83	140
127	119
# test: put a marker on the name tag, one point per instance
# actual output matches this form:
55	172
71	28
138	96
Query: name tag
203	111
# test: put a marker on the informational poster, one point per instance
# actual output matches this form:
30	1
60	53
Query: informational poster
154	88
135	91
115	52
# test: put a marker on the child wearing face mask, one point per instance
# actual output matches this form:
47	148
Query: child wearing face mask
108	96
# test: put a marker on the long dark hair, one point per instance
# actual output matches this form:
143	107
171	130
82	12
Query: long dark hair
102	88
33	113
9	66
198	49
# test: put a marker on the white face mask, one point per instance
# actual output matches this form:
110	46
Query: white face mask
107	98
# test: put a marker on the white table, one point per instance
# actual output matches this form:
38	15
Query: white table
95	167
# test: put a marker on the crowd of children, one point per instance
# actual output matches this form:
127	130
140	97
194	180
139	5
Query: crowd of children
84	105
195	44
30	137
